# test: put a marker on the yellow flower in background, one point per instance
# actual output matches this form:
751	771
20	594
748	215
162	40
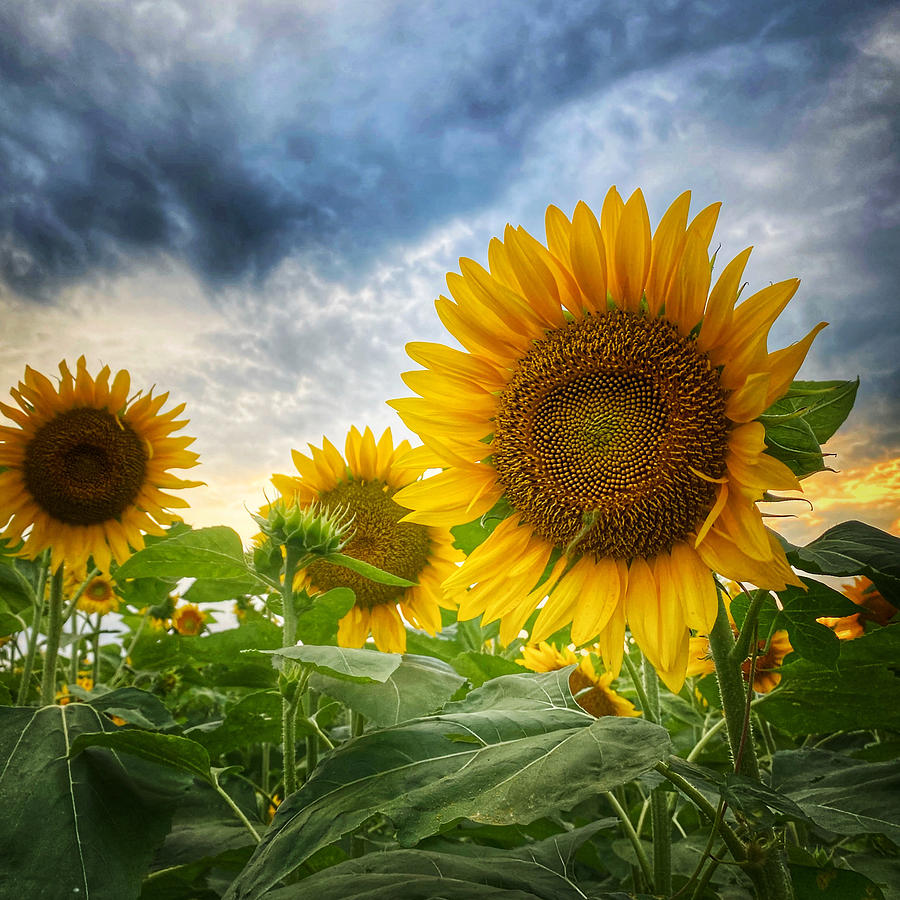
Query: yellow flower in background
611	397
87	465
363	483
188	619
99	596
873	608
599	700
84	681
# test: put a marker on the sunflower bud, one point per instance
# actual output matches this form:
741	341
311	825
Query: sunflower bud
309	530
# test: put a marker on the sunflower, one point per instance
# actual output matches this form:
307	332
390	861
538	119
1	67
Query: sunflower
590	690
610	398
874	608
86	466
99	596
188	619
770	656
363	485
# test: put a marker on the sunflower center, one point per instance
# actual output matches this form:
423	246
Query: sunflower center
85	466
598	430
596	701
379	538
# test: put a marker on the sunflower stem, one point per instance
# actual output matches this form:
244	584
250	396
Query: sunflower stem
73	662
95	644
659	808
632	836
768	871
638	683
312	740
741	649
132	644
54	627
291	694
234	807
35	629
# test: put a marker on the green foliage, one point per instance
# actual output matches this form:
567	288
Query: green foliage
514	750
805	417
344	662
94	818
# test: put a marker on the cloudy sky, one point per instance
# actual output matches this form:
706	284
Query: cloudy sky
253	204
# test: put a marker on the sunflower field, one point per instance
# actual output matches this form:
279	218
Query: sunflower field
548	650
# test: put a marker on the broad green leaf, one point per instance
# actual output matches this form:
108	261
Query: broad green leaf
513	751
445	645
881	870
207	553
418	686
800	609
759	803
839	793
168	750
814	699
854	548
251	720
367	570
319	623
830	883
83	826
135	706
468	536
807	416
16	591
226	646
11	623
481	667
544	870
344	662
221	590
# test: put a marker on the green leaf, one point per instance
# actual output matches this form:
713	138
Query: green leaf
16	591
367	570
760	804
807	416
445	645
135	706
839	793
83	826
344	662
468	536
829	883
854	548
220	590
800	609
481	667
418	686
10	623
544	870
813	698
168	750
226	646
319	623
252	719
535	753
214	553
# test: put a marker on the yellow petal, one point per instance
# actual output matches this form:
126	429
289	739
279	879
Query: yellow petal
601	593
668	241
695	586
720	307
687	295
589	258
784	364
749	401
632	252
610	215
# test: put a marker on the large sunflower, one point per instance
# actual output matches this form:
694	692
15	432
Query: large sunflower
364	484
611	397
86	466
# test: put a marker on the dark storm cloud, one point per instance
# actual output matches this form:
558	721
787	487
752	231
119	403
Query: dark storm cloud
236	136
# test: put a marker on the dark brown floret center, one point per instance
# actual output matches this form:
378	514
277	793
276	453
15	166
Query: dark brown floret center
85	466
379	538
599	428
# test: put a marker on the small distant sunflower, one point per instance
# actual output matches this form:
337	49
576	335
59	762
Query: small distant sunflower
364	485
611	397
599	700
86	466
99	596
873	608
84	681
188	619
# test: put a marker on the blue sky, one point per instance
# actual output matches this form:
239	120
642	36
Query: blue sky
253	204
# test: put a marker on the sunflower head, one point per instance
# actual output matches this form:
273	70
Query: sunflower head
99	596
360	487
188	619
591	690
86	464
873	608
609	393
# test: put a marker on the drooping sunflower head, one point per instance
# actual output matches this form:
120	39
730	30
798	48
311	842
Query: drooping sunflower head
99	596
188	619
87	464
873	608
609	392
591	690
362	484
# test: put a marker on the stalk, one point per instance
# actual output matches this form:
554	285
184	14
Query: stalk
73	662
312	740
659	807
290	700
54	627
35	629
768	868
632	836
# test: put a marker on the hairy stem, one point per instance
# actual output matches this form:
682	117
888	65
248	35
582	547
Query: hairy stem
659	808
54	627
632	836
35	629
